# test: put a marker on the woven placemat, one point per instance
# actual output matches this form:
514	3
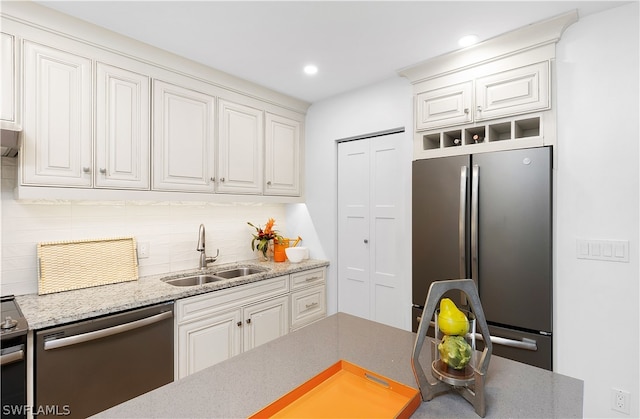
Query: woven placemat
70	265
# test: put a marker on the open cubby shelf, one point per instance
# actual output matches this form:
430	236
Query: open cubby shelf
514	129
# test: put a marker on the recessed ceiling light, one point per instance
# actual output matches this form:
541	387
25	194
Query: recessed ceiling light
467	40
310	69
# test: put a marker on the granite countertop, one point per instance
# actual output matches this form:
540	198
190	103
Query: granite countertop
48	310
242	385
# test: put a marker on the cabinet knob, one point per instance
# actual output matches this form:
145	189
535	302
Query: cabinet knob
479	108
222	179
366	241
466	110
248	321
213	179
269	183
86	169
103	171
239	324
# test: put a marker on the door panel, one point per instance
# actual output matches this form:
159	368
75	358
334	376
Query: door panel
370	225
353	228
514	237
436	220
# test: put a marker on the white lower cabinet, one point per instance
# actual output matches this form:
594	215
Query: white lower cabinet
308	297
213	327
216	326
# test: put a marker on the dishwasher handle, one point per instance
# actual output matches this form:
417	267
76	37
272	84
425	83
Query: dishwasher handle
110	331
12	357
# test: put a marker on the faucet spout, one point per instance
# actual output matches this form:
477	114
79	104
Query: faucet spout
201	239
204	259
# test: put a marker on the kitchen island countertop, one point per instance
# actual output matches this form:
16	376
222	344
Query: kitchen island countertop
48	310
246	383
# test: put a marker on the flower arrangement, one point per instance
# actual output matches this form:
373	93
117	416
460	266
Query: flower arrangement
262	237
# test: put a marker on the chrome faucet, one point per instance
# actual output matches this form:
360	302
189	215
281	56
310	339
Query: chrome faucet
204	259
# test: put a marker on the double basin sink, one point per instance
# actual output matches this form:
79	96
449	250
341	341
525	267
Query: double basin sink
199	279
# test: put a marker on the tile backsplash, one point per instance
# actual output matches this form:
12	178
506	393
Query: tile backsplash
170	228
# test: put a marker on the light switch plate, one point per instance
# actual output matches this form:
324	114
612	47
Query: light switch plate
608	250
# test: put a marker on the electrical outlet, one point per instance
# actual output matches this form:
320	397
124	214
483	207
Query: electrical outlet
620	400
143	250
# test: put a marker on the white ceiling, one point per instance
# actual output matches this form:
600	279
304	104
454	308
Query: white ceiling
353	43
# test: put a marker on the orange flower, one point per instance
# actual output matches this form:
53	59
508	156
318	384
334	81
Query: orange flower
268	228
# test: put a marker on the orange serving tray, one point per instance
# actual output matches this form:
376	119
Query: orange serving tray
345	390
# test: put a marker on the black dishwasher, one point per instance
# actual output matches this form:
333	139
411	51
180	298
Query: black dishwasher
86	367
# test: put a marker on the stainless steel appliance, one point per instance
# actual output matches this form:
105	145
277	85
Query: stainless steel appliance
13	357
89	366
487	217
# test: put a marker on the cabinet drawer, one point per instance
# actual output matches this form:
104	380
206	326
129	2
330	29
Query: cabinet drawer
216	301
307	278
308	306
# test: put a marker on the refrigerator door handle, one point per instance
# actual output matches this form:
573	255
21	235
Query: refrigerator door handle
462	222
528	344
475	174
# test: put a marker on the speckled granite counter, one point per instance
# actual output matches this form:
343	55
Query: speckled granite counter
43	311
244	384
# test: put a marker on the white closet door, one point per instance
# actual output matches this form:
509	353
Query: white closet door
370	229
353	228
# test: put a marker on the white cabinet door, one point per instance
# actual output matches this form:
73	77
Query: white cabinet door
8	82
183	139
282	156
122	128
450	105
371	230
57	134
240	149
205	342
513	92
265	321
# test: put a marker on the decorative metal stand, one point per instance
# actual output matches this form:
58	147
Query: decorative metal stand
469	383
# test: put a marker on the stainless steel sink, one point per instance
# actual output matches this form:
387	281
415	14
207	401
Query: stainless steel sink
189	281
236	272
199	279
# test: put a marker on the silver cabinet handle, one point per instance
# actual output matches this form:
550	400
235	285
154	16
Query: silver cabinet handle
239	324
475	176
479	108
110	331
528	344
221	179
213	179
269	183
466	111
313	278
315	303
12	357
462	223
86	170
366	241
103	171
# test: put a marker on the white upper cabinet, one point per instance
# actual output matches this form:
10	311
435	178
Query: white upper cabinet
282	156
122	128
521	90
183	139
57	135
9	109
445	106
240	149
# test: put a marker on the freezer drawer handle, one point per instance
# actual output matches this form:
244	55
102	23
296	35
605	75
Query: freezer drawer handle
12	357
86	337
528	344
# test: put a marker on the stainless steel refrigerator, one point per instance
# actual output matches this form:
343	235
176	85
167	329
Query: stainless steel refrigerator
488	216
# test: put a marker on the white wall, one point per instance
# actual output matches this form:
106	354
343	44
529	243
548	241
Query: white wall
171	228
596	303
596	312
379	107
